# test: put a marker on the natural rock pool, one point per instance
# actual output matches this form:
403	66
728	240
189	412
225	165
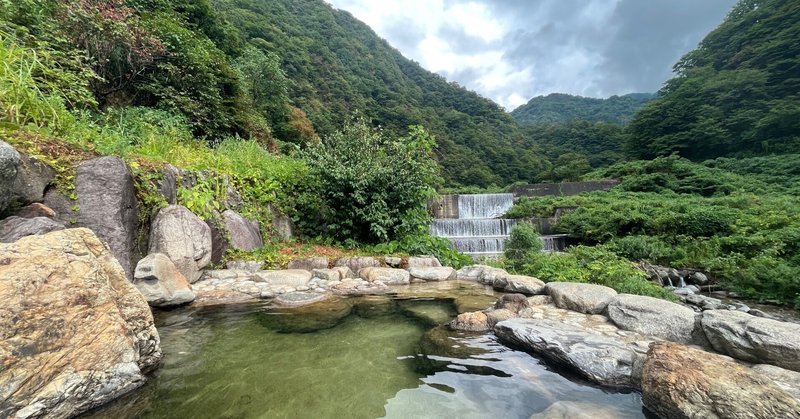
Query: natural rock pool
359	357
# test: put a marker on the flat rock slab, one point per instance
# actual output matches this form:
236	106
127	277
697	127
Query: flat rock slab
683	382
433	274
653	317
389	276
753	339
297	299
583	298
600	358
288	277
788	380
423	262
527	285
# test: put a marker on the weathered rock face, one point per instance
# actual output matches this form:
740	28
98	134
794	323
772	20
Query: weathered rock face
653	317
162	285
9	164
294	278
682	382
423	262
519	283
599	358
309	264
389	276
244	234
282	225
490	275
75	332
752	338
788	380
356	263
14	228
184	238
33	178
433	274
470	273
583	298
108	206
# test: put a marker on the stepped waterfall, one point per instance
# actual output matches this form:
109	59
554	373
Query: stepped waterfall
479	229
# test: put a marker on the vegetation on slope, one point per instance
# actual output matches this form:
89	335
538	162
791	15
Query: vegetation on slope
560	107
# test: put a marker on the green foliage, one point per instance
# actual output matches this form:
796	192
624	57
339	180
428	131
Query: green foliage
559	108
524	240
735	95
372	188
424	244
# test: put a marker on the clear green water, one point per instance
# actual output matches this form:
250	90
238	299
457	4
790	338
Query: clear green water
364	357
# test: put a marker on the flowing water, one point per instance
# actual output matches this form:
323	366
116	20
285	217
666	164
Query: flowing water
364	357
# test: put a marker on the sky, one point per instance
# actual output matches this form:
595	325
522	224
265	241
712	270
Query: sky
513	50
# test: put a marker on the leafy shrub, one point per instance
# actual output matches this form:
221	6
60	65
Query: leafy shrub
524	240
647	248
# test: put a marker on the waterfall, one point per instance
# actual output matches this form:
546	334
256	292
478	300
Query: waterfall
451	228
483	206
554	242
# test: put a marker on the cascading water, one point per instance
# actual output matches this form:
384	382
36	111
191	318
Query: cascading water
483	206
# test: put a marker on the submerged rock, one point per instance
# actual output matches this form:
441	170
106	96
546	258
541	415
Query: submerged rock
583	298
308	318
653	317
578	410
162	285
184	238
599	358
753	339
682	382
75	332
430	312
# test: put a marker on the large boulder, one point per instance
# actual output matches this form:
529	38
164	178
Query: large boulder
753	339
470	272
356	263
653	317
309	264
9	164
519	283
584	298
184	238
108	206
33	179
243	233
14	228
162	285
682	382
75	332
389	276
433	274
599	358
423	262
291	278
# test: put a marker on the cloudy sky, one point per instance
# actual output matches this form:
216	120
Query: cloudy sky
513	50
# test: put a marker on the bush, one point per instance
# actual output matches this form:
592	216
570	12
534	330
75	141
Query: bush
372	188
524	240
647	248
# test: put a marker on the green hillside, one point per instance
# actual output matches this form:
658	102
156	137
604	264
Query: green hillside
559	107
738	93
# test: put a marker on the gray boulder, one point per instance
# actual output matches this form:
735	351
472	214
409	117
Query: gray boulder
389	276
162	285
168	186
33	179
490	275
788	380
653	317
184	238
291	278
753	339
423	262
243	233
356	263
36	210
433	274
393	261
520	283
601	359
13	228
108	205
9	164
584	298
309	264
470	273
282	226
698	278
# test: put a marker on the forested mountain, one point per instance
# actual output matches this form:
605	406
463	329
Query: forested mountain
738	93
559	107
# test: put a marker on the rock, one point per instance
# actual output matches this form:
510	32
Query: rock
753	339
298	299
540	300
599	358
282	225
584	298
219	241
244	265
309	264
682	382
108	206
356	263
392	261
423	262
9	165
389	276
306	318
470	273
578	410
428	312
168	186
698	278
476	321
162	285
184	238
513	302
327	274
288	277
490	275
787	380
13	228
684	291
758	313
433	274
519	283
244	234
495	316
653	317
75	332
33	178
36	210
